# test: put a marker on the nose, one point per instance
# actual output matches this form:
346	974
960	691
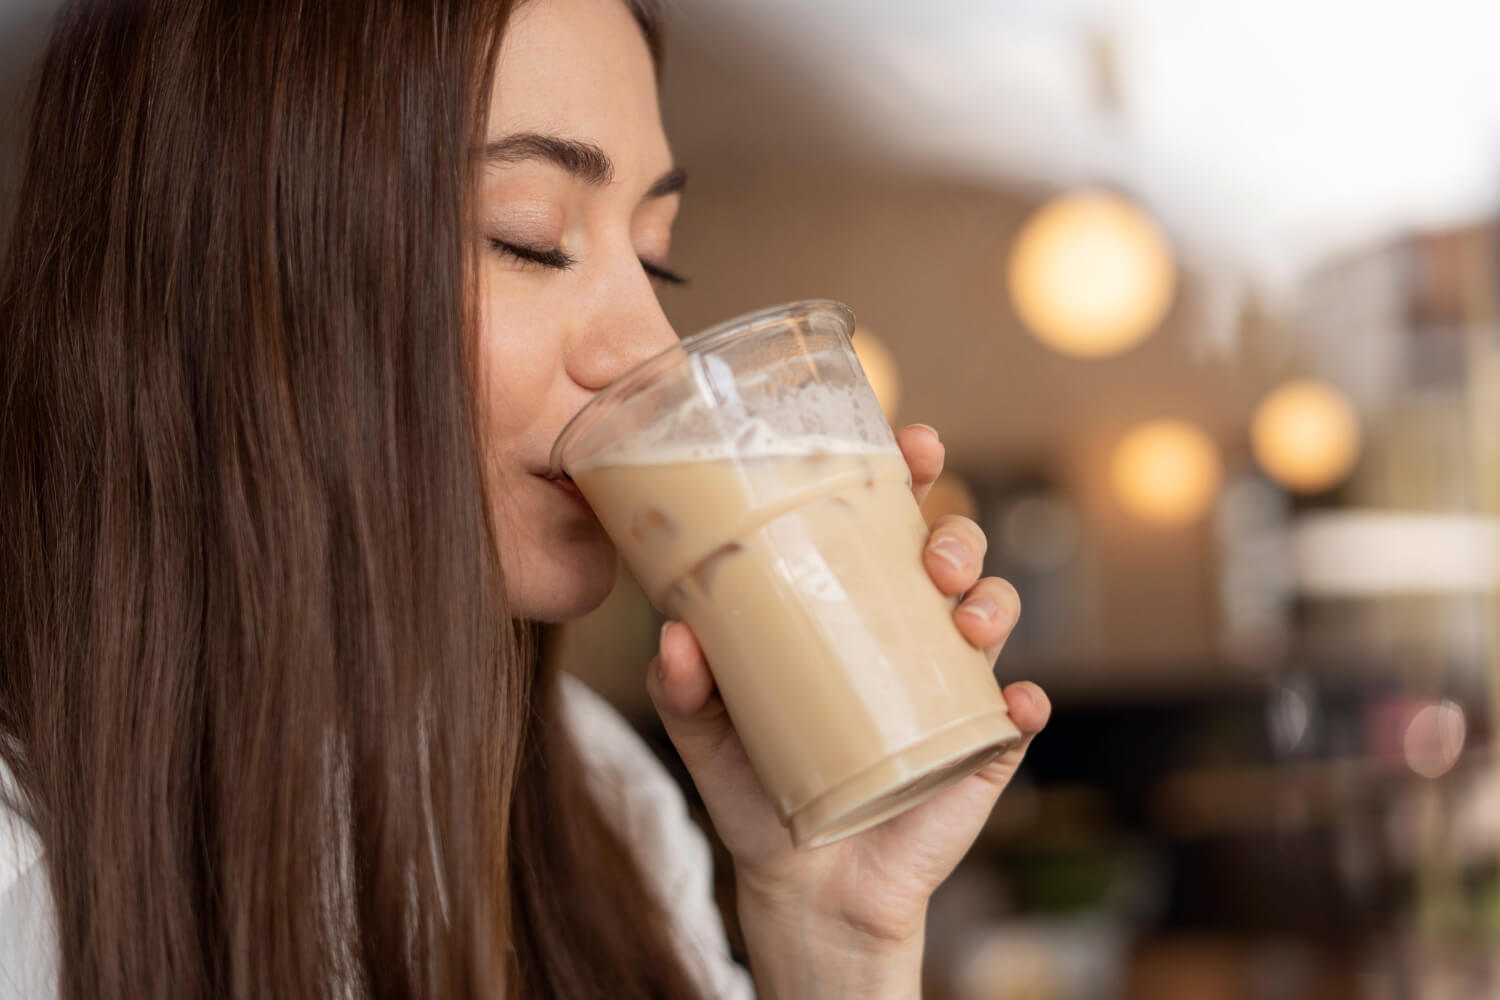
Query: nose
625	326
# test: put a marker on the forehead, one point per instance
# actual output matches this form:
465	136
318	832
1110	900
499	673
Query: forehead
580	68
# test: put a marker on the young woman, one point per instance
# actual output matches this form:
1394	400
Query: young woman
298	294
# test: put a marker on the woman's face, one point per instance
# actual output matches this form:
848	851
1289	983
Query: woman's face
575	217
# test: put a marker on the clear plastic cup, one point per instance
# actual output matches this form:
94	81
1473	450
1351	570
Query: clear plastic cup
755	490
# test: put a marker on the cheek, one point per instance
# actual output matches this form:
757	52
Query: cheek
518	359
558	562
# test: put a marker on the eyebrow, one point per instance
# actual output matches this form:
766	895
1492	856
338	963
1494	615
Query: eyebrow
584	160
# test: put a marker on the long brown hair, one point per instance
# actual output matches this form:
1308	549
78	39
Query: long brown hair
268	712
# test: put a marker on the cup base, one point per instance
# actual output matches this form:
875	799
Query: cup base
903	780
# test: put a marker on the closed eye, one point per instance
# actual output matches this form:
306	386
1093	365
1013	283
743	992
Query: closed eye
559	259
553	257
659	273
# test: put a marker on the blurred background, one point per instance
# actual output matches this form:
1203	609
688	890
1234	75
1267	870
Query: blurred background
1204	299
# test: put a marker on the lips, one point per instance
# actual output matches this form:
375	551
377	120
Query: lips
563	484
567	486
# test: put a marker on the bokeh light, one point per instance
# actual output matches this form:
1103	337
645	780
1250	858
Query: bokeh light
1041	532
880	369
1434	739
1306	436
1091	275
1166	472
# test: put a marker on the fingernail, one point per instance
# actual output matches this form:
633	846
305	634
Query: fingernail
951	551
1023	694
980	607
931	428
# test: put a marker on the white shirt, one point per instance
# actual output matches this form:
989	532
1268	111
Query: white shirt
630	785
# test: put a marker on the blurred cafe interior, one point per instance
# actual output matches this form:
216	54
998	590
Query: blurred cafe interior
1204	301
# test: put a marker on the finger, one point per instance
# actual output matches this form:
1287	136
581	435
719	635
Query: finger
923	452
682	688
683	683
1029	707
987	615
954	554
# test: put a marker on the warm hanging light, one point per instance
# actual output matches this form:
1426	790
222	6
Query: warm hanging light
1166	472
880	369
1091	275
1306	436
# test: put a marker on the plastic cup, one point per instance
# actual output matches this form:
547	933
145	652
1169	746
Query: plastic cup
755	490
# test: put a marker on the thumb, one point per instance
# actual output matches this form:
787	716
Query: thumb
682	689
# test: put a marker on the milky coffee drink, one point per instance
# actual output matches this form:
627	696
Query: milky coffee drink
783	531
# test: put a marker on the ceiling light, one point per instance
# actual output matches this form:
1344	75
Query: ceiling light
1306	436
1091	275
1166	472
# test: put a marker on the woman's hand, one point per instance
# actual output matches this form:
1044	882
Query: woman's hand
846	919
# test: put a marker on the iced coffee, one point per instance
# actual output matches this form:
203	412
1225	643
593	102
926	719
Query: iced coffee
762	500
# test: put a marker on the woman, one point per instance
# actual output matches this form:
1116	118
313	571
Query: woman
297	297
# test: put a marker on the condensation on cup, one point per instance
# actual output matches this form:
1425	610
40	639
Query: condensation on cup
755	490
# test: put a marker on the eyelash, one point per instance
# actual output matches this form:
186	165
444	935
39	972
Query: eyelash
560	260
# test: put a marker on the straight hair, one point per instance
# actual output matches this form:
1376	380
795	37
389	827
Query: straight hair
263	698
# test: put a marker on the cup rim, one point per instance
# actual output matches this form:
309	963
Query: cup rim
715	336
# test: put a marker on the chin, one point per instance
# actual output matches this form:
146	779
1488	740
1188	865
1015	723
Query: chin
567	582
